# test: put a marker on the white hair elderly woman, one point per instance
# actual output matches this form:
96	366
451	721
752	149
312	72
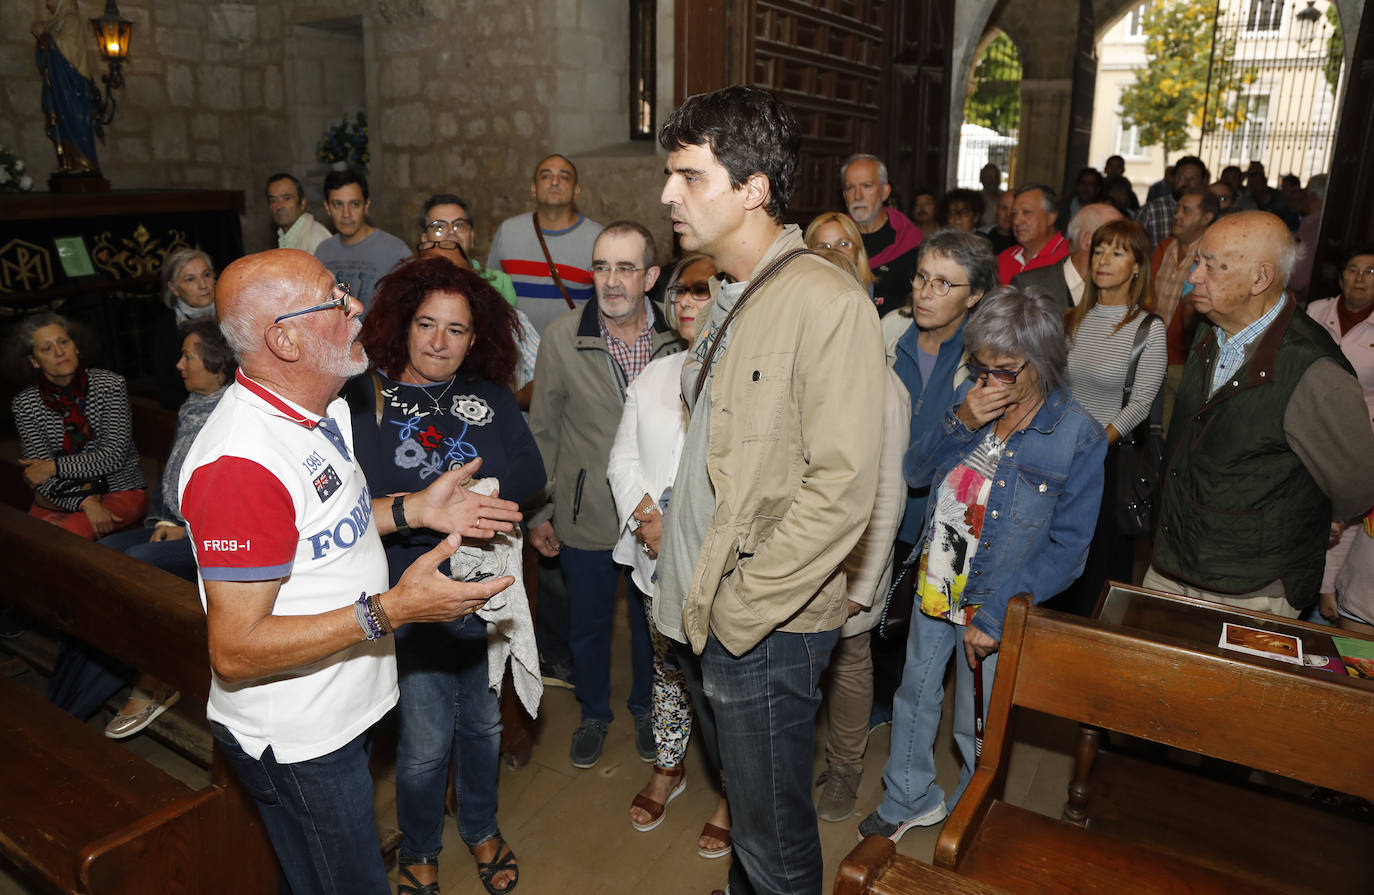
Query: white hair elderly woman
188	291
1015	471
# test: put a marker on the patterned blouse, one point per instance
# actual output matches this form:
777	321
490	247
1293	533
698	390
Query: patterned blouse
108	462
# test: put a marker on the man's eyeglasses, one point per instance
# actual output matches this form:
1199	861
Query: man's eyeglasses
338	299
1359	272
624	268
437	228
843	245
978	371
938	285
701	289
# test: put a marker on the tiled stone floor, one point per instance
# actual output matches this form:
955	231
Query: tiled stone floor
571	829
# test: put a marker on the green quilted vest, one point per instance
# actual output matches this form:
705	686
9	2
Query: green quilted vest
1238	508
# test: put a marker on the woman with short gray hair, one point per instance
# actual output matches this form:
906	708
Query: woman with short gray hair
1015	471
188	291
954	271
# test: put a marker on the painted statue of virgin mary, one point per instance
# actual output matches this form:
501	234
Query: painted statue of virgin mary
69	91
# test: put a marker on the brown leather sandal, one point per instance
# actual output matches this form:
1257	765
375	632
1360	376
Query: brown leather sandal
714	832
658	810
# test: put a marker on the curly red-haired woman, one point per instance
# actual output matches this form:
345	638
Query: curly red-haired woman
441	339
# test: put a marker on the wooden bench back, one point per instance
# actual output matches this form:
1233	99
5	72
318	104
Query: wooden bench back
1257	713
141	615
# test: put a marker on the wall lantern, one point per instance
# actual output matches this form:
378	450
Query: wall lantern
112	32
1308	20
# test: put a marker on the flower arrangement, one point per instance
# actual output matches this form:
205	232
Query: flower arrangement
345	142
12	176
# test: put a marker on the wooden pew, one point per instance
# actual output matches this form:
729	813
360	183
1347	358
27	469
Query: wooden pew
1256	713
875	868
78	811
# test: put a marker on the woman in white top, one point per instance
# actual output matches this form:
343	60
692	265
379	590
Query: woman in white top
1102	332
642	465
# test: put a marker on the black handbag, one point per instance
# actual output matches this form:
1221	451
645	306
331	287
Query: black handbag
1140	454
901	596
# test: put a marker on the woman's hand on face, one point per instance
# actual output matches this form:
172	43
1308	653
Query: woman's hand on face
36	472
978	645
985	402
168	533
101	519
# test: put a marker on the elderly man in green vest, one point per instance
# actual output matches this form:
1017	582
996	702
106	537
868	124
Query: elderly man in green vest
1270	438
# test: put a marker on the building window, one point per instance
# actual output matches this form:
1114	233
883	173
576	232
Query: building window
643	68
1128	140
1247	141
1135	21
1264	15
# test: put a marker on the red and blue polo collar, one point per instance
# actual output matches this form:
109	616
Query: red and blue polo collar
287	411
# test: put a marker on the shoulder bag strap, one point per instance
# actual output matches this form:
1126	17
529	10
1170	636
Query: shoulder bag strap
1142	331
754	285
553	268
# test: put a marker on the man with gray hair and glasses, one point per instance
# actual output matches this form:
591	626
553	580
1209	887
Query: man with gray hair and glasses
890	238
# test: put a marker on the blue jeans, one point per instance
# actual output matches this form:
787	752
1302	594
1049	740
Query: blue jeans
765	705
176	556
318	814
909	775
85	678
447	713
592	578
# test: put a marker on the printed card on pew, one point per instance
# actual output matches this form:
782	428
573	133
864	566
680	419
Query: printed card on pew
1256	642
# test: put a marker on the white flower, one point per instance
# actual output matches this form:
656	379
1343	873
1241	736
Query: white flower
26	182
18	165
4	176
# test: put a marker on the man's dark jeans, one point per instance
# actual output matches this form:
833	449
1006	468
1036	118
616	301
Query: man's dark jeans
318	814
765	705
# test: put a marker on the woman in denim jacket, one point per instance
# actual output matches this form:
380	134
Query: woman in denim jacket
1015	471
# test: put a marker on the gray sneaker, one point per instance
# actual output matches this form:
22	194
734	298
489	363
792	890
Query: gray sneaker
874	825
839	785
587	742
645	744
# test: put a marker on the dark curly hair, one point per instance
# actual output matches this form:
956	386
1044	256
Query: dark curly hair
749	131
399	294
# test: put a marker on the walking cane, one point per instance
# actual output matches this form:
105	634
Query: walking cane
977	711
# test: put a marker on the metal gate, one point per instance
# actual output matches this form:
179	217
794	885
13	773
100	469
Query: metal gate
992	112
1291	52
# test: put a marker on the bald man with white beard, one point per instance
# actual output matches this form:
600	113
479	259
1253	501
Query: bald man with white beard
292	572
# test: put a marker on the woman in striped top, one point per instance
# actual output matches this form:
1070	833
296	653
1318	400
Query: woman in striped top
1102	332
76	433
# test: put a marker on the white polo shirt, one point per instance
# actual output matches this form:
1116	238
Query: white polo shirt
269	490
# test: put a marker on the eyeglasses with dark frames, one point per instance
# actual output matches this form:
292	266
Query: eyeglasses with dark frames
438	227
938	285
1008	377
338	299
701	289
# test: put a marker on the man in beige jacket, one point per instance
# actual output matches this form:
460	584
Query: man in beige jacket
778	474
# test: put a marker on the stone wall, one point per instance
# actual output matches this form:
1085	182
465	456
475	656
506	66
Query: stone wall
461	95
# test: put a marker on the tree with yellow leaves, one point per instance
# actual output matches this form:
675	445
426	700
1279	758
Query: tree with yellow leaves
1170	99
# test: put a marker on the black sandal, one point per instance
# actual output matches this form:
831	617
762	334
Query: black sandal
409	885
504	860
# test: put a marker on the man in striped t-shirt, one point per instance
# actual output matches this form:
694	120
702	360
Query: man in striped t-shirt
568	235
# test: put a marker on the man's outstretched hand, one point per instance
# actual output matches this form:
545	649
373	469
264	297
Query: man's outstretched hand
447	506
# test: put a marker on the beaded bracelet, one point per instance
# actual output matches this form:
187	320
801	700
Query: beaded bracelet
371	629
374	605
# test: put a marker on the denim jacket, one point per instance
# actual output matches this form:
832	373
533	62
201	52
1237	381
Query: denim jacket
1043	507
928	404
